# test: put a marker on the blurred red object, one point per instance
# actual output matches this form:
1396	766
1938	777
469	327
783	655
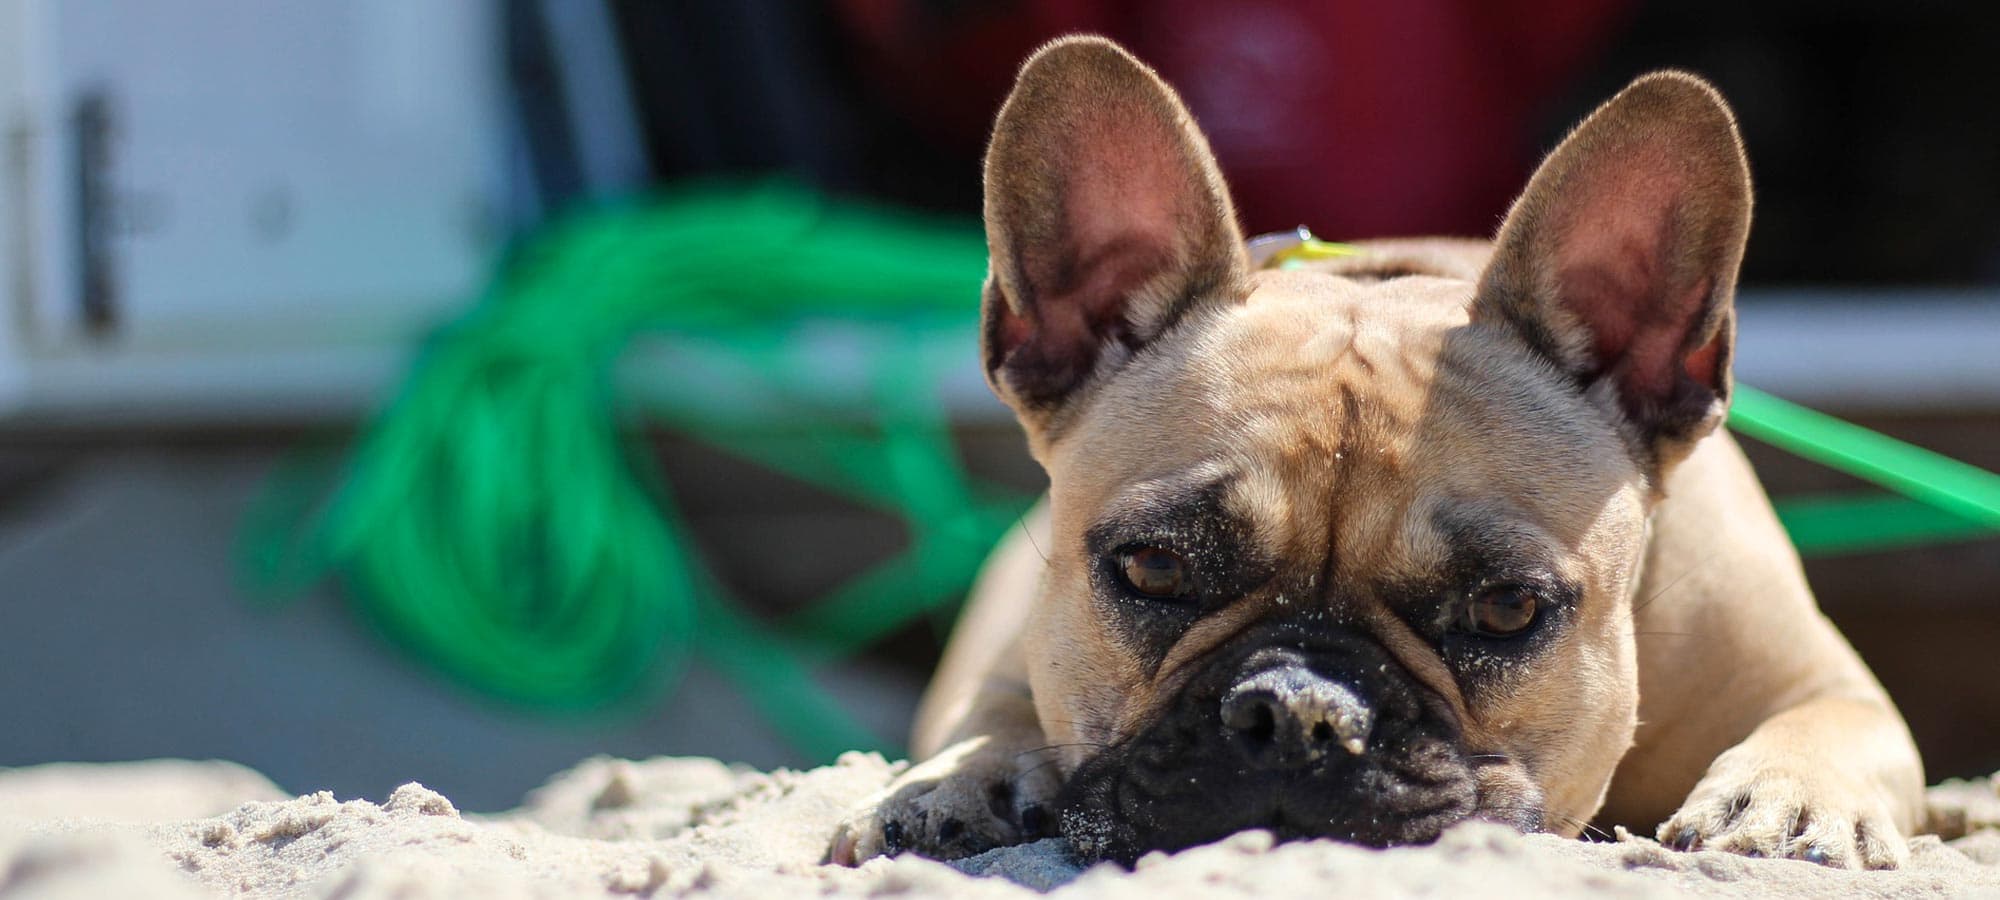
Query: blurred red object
1355	118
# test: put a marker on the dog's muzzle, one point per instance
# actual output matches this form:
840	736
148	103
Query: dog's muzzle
1302	733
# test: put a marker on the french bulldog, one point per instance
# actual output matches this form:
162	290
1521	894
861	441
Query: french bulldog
1439	530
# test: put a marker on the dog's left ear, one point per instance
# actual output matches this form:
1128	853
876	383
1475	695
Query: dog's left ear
1618	263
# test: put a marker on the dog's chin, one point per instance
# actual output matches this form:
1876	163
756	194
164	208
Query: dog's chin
1118	806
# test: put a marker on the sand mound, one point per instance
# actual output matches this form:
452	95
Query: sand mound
681	827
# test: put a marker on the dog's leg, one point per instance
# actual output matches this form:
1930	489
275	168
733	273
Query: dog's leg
1758	720
985	777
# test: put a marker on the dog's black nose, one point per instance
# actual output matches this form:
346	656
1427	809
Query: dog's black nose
1291	717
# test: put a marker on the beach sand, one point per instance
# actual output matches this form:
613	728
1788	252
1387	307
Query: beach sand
695	827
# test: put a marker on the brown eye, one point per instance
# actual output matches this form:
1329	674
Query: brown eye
1501	612
1155	572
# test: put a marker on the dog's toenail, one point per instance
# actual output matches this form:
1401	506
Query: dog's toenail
842	853
1034	822
892	837
1683	839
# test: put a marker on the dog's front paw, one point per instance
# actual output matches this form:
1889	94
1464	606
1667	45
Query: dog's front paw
1789	809
972	797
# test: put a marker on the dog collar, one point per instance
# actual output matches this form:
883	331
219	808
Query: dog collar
1293	249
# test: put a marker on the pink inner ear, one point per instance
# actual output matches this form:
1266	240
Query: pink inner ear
1704	364
1124	204
1129	198
1126	170
1126	198
1617	272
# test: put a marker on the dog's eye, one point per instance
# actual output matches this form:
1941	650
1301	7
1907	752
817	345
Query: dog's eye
1155	572
1501	611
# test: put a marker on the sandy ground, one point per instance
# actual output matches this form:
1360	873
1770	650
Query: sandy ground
694	827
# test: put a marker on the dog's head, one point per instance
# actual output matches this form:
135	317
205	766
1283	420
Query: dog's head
1345	551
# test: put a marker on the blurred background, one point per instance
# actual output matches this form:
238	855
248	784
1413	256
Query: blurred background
233	234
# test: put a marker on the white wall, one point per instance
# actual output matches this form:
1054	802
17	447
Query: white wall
284	182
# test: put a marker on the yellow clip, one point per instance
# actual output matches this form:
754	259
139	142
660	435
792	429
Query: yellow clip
1293	249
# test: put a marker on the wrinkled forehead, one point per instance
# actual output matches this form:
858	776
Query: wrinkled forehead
1326	411
1286	371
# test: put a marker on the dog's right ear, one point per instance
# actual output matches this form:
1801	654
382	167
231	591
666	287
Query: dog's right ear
1106	221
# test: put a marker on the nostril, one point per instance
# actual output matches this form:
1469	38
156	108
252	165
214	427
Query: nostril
1322	733
1263	725
1252	716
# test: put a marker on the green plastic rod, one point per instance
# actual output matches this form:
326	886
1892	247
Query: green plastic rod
1907	469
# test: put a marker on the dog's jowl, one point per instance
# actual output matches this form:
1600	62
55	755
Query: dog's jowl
1367	548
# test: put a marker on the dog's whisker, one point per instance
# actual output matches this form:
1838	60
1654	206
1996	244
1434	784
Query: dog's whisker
1022	523
1053	747
1663	591
1560	818
1114	737
1024	773
1678	580
1588	828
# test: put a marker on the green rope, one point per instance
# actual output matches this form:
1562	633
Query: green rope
492	518
1941	482
1835	525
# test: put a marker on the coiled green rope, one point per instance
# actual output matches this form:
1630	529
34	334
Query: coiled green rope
493	518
